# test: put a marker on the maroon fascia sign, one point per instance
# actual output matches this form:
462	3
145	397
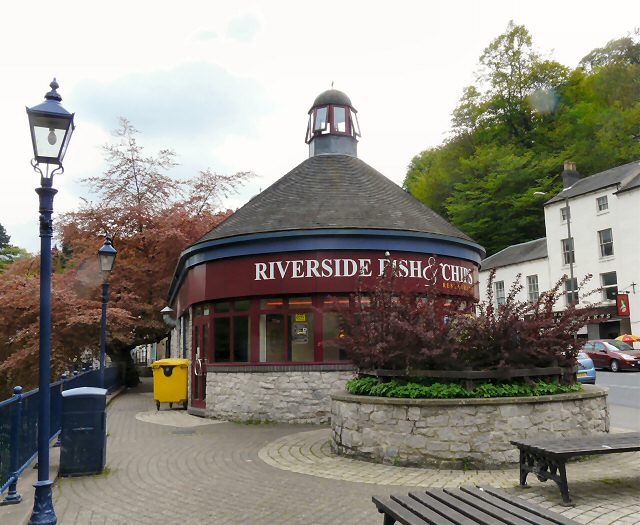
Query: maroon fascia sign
324	272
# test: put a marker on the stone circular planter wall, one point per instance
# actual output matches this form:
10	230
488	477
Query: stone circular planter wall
459	433
276	393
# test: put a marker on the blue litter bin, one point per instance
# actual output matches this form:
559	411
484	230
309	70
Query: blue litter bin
83	442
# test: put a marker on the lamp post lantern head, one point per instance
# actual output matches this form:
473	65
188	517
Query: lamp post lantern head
107	256
166	312
51	128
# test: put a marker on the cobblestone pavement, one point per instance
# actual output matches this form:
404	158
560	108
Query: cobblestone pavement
256	474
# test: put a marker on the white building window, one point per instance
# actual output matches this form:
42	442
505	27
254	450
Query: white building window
609	283
564	213
605	239
568	255
532	288
602	203
500	296
571	291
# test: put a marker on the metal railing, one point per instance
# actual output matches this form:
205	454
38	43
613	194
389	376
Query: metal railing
19	424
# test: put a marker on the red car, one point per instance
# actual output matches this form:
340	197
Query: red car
612	354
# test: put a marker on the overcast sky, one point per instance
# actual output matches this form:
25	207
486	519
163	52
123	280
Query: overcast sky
228	85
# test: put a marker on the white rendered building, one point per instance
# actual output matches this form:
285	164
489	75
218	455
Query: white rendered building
603	214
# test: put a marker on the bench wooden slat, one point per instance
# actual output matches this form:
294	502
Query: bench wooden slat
599	444
486	507
529	507
397	512
438	506
464	508
422	510
466	505
507	506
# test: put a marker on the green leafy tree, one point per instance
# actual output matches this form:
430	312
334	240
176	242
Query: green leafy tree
5	238
513	129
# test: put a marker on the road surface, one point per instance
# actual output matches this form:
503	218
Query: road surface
624	397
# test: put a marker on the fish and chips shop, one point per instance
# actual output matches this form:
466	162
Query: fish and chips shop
255	300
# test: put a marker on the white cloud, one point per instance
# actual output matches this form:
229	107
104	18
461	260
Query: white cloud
228	85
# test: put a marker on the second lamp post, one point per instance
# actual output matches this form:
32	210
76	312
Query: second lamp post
107	257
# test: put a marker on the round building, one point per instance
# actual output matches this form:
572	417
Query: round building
255	299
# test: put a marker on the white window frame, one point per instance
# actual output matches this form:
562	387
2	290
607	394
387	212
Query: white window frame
602	204
565	212
501	298
568	252
602	245
606	287
574	291
533	291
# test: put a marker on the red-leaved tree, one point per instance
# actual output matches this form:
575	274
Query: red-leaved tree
151	217
386	327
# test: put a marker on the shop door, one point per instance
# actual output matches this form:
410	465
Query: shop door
199	362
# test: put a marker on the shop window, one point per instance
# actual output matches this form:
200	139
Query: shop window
242	306
609	282
201	309
499	291
301	346
571	291
602	203
532	288
241	335
221	307
331	332
222	340
605	239
231	332
272	348
271	304
300	302
568	255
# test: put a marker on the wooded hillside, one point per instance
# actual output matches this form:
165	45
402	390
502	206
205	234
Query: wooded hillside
513	129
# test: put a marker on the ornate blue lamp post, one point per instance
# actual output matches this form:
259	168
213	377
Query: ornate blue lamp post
107	257
51	129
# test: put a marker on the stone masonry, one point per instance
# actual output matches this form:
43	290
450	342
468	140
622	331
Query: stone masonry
278	396
458	433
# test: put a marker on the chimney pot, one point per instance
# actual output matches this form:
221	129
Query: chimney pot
570	175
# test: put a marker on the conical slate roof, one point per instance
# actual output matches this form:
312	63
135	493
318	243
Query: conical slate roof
336	192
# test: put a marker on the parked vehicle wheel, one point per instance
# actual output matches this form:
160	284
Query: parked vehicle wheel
170	405
157	405
615	365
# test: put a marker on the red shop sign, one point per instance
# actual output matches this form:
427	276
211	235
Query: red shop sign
622	302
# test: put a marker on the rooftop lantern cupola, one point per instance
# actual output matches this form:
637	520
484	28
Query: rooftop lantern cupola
333	125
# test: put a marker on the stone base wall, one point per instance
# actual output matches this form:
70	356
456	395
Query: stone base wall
468	433
280	394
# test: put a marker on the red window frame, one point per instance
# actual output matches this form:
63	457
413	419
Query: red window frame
287	308
230	314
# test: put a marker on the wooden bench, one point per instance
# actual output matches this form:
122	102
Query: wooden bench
546	458
465	506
